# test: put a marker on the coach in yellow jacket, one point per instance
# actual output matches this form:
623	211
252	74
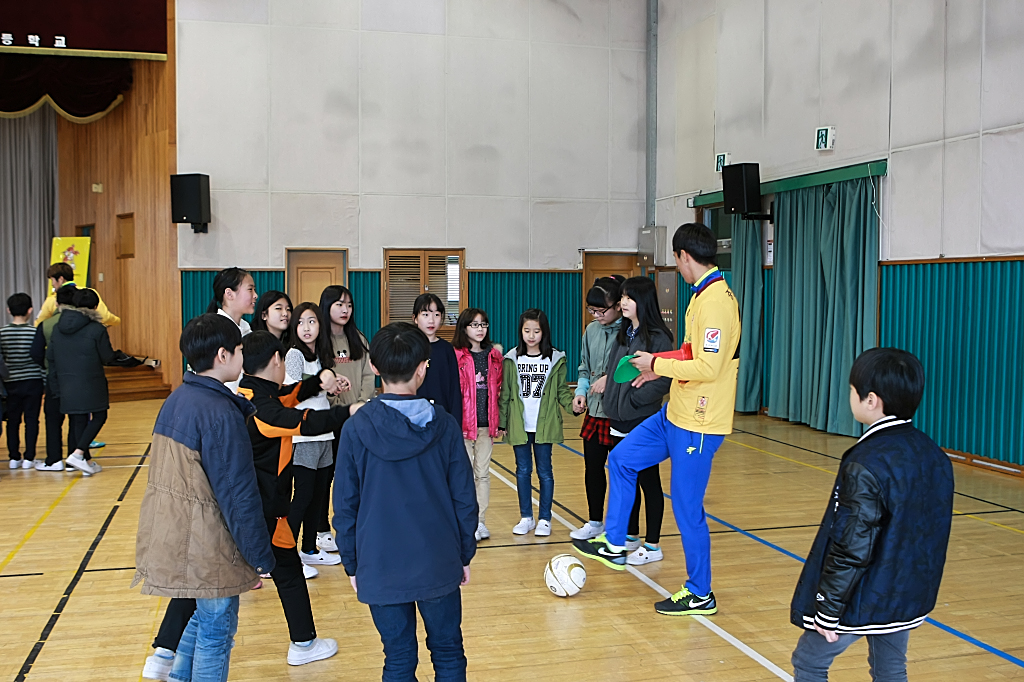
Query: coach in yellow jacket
689	429
61	274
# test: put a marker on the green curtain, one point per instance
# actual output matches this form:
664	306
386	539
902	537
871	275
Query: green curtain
748	285
825	308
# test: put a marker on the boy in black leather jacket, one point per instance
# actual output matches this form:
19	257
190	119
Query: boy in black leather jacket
876	563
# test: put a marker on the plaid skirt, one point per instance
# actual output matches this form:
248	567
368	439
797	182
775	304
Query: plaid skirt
597	429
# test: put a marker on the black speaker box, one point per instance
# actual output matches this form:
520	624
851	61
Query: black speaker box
741	188
190	199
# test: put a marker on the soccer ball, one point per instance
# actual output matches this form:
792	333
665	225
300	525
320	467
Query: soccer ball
564	575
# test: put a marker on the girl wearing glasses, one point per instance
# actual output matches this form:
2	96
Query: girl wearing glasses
598	339
479	362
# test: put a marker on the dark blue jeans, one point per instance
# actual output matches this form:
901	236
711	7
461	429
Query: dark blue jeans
887	656
524	476
442	619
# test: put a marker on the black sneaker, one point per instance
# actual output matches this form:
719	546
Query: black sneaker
686	603
599	550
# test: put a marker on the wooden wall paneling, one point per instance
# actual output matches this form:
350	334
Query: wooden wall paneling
132	152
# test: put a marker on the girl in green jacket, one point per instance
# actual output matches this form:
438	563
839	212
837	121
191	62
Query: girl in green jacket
532	388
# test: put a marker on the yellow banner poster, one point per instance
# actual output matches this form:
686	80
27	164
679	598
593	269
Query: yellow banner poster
75	252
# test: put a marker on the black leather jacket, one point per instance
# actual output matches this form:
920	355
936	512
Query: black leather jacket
876	563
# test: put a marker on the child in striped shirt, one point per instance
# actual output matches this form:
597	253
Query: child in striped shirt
24	382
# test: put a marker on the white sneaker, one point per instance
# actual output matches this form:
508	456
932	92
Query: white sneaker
317	651
588	531
543	528
321	558
41	465
309	572
86	467
325	541
643	555
481	532
96	468
15	463
525	525
27	464
633	544
158	666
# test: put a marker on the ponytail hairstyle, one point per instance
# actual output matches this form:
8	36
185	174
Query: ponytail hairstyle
466	317
537	314
231	278
356	344
605	292
324	352
644	292
266	301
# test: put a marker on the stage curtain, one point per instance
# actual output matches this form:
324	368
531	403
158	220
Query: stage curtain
826	284
748	285
81	89
28	202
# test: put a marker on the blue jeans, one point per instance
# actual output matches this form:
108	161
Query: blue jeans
524	477
205	647
887	656
655	440
442	619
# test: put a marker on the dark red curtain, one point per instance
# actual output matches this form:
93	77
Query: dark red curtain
80	86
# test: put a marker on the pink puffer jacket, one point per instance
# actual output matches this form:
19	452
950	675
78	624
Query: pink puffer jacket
467	381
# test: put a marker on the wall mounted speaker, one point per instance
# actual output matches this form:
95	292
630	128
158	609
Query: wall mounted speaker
190	200
741	188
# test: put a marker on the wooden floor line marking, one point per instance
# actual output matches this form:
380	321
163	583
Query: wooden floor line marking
754	655
34	528
832	473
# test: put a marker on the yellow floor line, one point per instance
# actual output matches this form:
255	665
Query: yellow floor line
33	529
832	473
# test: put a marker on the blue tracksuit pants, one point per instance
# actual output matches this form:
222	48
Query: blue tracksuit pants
654	441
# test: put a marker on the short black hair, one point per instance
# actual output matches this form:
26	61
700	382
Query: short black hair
894	375
423	302
86	298
66	294
19	304
204	336
536	314
60	271
397	350
698	241
258	348
606	291
466	318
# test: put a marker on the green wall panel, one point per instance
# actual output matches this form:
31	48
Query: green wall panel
964	321
504	295
197	289
767	320
365	287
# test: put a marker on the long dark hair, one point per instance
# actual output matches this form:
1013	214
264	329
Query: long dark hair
266	300
230	278
644	293
466	317
605	292
545	330
324	353
330	295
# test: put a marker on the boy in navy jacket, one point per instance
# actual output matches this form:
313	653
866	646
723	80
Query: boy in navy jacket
876	564
403	473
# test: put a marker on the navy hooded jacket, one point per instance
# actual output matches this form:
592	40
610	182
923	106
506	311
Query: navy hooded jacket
399	484
876	563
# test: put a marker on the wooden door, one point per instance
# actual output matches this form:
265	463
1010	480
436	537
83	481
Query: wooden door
596	265
411	272
309	271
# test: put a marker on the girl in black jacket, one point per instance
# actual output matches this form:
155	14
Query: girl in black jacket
78	350
628	404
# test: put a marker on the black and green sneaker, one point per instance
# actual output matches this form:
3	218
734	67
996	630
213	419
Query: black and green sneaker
599	550
686	603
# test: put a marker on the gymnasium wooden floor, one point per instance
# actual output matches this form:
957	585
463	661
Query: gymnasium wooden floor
67	555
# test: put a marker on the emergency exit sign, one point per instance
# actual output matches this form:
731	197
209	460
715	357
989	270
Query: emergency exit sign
824	138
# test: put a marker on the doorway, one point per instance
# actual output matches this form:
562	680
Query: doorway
309	271
596	265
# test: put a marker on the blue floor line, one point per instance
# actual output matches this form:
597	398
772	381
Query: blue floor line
942	626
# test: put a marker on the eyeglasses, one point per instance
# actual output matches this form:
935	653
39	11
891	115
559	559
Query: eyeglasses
479	325
597	312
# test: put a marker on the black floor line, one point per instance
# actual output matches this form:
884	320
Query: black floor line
82	567
19	575
815	452
101	570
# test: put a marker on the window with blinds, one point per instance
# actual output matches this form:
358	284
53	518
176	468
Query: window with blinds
409	273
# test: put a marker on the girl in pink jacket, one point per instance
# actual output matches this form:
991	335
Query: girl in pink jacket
480	364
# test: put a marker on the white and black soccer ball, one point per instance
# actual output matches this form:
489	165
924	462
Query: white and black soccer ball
564	575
